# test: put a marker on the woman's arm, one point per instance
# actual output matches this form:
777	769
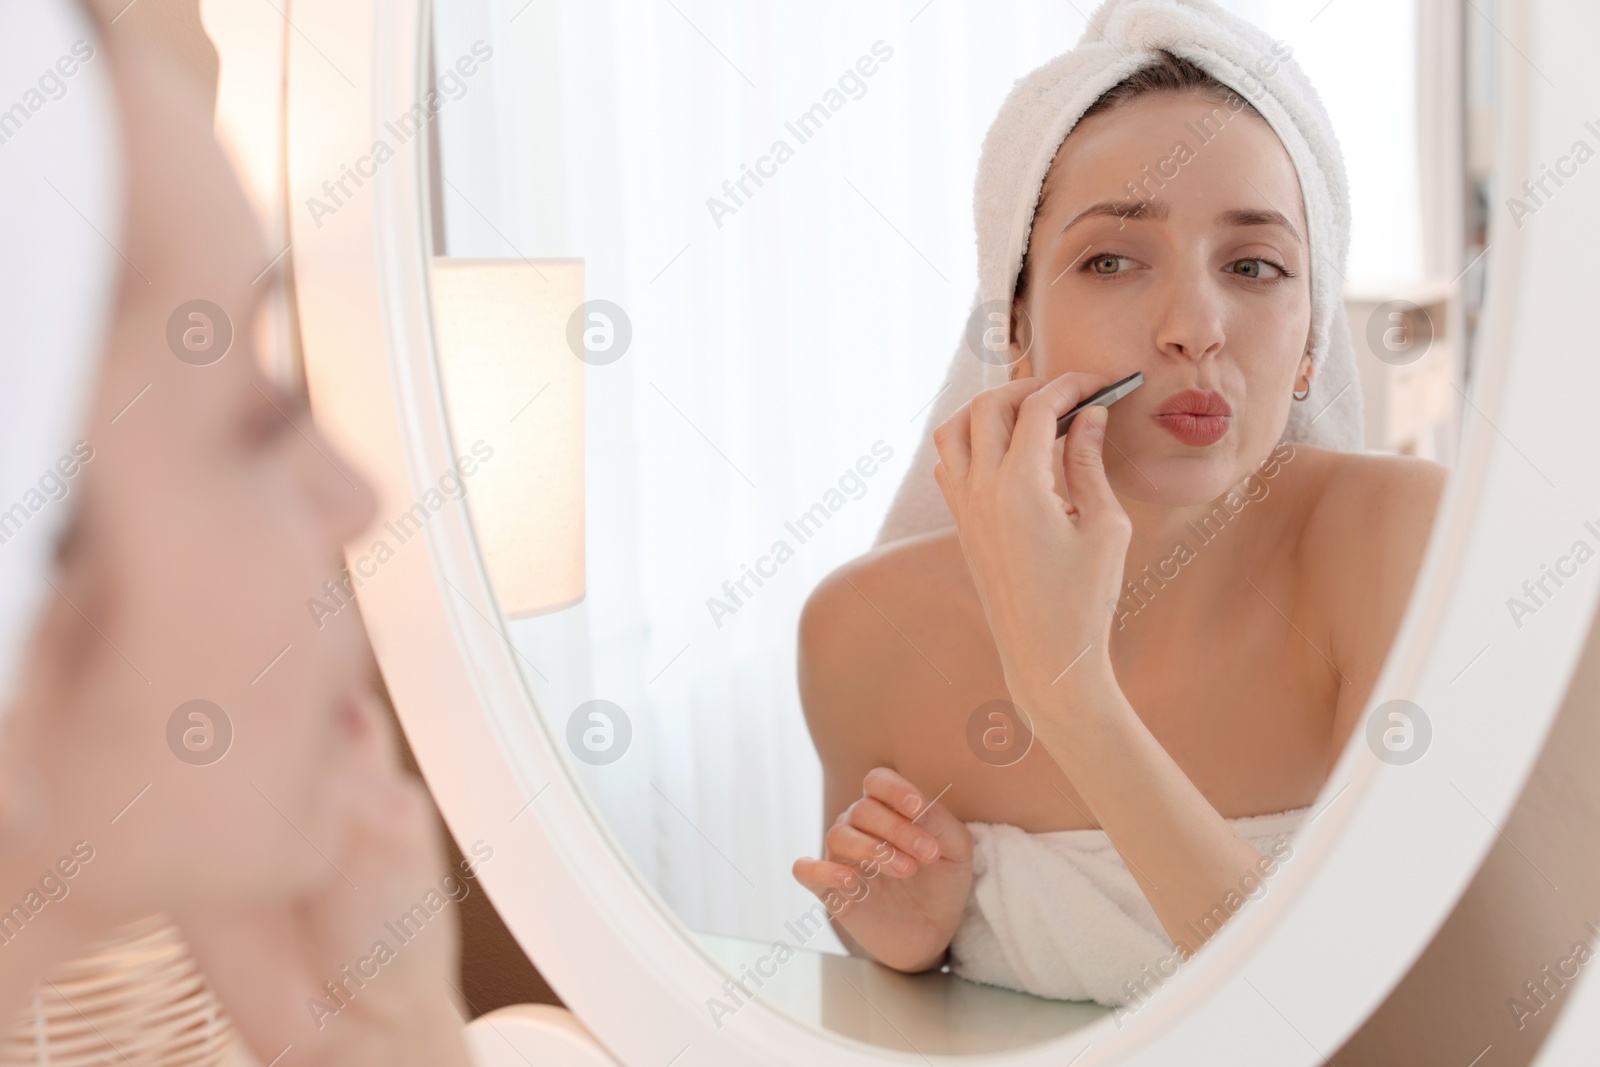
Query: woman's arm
1048	572
1374	517
838	702
1186	858
894	872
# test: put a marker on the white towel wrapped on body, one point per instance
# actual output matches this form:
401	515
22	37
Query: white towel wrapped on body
1059	914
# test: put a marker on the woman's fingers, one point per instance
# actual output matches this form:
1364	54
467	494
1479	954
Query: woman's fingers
1017	419
889	830
1085	470
846	844
953	440
823	877
994	416
819	875
978	430
898	794
1034	439
894	790
874	817
1039	411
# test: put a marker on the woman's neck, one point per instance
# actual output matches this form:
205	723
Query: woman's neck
1170	542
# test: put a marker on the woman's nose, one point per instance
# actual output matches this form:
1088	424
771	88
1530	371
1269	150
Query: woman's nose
1191	324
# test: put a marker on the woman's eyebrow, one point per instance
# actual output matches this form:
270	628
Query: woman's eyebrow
1144	209
1159	211
1258	217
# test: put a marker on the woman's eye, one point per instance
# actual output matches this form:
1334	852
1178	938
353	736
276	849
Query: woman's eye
1106	264
1255	268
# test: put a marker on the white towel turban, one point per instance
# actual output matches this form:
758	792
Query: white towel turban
60	212
1039	112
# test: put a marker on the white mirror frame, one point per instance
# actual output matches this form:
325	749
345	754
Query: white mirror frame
1331	937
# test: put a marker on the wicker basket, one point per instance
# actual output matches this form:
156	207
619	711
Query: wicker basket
137	998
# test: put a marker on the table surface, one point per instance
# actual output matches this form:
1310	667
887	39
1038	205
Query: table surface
927	1014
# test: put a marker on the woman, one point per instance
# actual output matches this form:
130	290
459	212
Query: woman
202	510
1165	714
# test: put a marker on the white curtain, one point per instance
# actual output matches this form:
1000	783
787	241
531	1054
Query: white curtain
777	339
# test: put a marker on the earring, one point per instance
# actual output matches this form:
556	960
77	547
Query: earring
1302	394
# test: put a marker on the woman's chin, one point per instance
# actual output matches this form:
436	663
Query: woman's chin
1175	477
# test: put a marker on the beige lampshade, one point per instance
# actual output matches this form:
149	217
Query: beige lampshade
514	393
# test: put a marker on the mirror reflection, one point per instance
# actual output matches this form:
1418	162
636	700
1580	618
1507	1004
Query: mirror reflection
931	724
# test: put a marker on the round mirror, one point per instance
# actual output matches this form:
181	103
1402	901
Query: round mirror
648	357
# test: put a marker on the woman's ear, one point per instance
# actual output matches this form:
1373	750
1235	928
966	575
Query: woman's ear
1021	344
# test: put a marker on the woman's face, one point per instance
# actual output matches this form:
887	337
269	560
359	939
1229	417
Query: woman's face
1172	241
210	513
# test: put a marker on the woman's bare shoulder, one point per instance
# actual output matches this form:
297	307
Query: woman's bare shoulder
1378	506
1368	518
881	630
893	586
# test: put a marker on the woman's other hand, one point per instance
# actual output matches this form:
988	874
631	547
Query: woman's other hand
895	874
1048	569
